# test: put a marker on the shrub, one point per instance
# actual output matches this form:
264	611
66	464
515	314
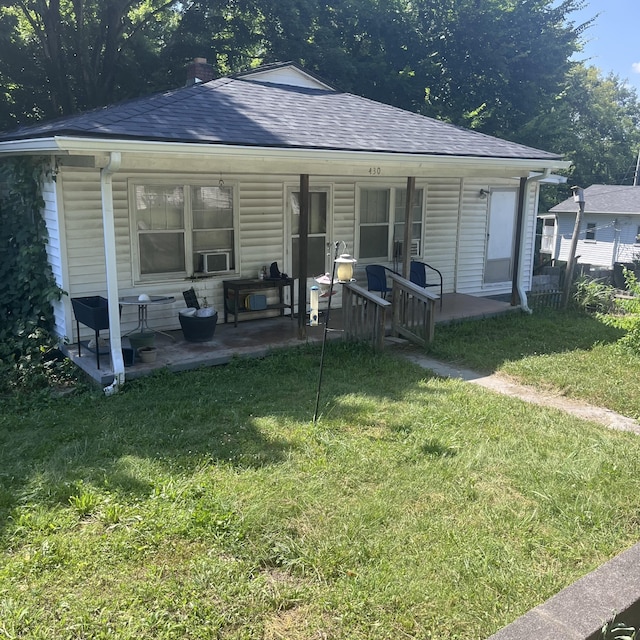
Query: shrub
631	341
593	295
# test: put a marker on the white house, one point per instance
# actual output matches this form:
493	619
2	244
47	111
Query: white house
609	232
204	181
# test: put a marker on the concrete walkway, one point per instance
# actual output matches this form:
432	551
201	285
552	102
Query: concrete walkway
500	384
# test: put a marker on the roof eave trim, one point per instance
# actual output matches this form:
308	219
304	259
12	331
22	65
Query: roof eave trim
91	146
30	146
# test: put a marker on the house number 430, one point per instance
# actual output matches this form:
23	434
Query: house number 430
375	171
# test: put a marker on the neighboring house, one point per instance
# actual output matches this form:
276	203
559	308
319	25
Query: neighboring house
609	232
205	180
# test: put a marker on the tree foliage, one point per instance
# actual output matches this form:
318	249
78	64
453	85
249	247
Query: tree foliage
64	56
601	135
502	67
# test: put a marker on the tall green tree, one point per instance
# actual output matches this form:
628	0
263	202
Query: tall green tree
595	123
601	137
228	34
368	47
489	65
499	61
63	56
503	67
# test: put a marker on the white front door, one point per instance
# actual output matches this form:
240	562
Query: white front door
319	220
500	236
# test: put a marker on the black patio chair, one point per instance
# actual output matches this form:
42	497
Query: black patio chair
377	279
418	275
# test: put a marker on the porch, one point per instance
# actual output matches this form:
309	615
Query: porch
257	338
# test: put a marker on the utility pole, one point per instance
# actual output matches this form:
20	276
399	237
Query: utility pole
578	196
635	175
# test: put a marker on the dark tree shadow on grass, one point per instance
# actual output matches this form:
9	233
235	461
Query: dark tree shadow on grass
180	423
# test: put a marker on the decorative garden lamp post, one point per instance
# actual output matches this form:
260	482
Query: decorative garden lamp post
343	265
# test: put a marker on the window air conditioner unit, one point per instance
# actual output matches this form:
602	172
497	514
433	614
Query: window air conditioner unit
215	261
397	249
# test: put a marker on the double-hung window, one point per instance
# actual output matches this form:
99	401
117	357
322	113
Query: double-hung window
591	232
381	223
181	230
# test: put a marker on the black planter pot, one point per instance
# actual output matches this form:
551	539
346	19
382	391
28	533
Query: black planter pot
198	329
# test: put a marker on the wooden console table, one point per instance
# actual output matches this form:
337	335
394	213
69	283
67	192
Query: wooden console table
235	292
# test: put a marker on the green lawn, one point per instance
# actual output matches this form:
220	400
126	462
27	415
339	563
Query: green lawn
570	353
208	505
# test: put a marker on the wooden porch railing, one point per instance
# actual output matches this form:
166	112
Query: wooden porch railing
414	311
364	315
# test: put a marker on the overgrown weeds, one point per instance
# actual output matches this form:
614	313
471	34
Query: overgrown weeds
594	295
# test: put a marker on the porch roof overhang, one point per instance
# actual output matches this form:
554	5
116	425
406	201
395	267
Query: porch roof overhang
162	156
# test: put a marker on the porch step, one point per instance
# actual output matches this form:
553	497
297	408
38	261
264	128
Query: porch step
393	341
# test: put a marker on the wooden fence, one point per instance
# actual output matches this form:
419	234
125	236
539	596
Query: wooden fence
539	299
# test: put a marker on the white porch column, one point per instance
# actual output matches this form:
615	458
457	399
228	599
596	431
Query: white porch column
108	225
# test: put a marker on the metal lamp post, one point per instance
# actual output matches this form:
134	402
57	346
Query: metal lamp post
342	268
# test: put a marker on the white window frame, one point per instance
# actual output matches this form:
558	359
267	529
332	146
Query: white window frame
186	185
392	189
591	229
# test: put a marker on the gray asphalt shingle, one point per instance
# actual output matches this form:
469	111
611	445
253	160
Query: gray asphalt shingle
245	112
604	198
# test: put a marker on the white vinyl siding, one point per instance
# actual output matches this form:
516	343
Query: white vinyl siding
84	231
344	198
261	205
54	248
452	236
441	229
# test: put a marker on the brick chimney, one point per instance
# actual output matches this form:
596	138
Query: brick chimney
199	70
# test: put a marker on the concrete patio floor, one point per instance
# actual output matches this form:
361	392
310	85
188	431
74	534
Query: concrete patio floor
256	338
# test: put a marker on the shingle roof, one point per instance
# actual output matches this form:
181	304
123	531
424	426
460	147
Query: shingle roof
237	111
604	198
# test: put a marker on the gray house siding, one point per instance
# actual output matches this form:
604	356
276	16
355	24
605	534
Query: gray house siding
615	239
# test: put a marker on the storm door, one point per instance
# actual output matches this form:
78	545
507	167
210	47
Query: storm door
500	236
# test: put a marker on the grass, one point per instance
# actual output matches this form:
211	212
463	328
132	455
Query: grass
208	505
570	353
